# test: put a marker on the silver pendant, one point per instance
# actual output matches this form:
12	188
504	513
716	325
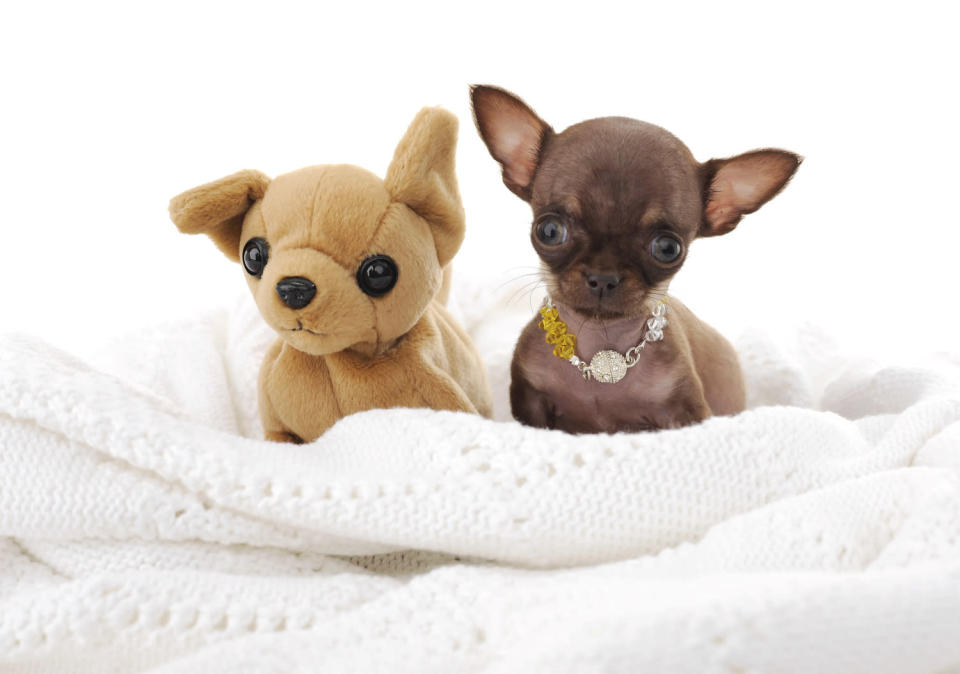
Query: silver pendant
608	367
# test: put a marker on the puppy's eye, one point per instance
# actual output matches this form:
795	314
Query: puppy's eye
666	248
551	233
255	256
377	275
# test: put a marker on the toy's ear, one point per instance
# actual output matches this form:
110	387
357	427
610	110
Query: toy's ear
742	184
423	176
217	209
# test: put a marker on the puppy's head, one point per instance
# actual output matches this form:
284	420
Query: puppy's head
617	202
335	256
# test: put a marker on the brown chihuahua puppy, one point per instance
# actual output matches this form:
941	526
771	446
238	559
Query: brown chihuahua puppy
616	203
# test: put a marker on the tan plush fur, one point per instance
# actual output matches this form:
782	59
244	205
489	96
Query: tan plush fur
347	351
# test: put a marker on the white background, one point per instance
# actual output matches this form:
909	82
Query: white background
108	111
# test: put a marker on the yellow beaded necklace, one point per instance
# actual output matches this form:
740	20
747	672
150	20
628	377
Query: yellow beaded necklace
564	343
607	366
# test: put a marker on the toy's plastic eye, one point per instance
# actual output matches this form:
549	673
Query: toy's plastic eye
551	233
377	275
255	256
666	248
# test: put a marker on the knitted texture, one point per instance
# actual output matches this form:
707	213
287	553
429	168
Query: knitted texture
144	526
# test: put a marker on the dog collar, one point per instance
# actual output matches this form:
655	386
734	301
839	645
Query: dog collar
607	367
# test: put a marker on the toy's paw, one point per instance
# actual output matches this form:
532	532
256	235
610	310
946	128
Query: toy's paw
283	436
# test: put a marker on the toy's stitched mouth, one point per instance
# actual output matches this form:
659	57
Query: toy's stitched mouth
300	328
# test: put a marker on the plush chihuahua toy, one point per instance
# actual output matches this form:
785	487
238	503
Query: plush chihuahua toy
346	268
616	203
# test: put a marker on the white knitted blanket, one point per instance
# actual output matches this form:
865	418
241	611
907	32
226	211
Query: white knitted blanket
145	527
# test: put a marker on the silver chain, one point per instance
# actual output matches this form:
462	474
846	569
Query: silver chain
632	355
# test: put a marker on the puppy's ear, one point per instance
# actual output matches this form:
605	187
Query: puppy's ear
513	133
742	184
423	176
217	209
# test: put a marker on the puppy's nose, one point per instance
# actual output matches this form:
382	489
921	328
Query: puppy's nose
296	291
602	283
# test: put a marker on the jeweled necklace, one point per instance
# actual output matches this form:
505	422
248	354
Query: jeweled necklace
607	367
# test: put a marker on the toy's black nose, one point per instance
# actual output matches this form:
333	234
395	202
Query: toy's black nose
296	291
602	283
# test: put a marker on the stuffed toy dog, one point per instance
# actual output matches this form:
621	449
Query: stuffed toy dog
347	269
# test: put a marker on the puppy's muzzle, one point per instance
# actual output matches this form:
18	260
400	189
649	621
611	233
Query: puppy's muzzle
295	291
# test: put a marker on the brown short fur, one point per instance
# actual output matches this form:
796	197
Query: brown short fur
614	186
347	351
